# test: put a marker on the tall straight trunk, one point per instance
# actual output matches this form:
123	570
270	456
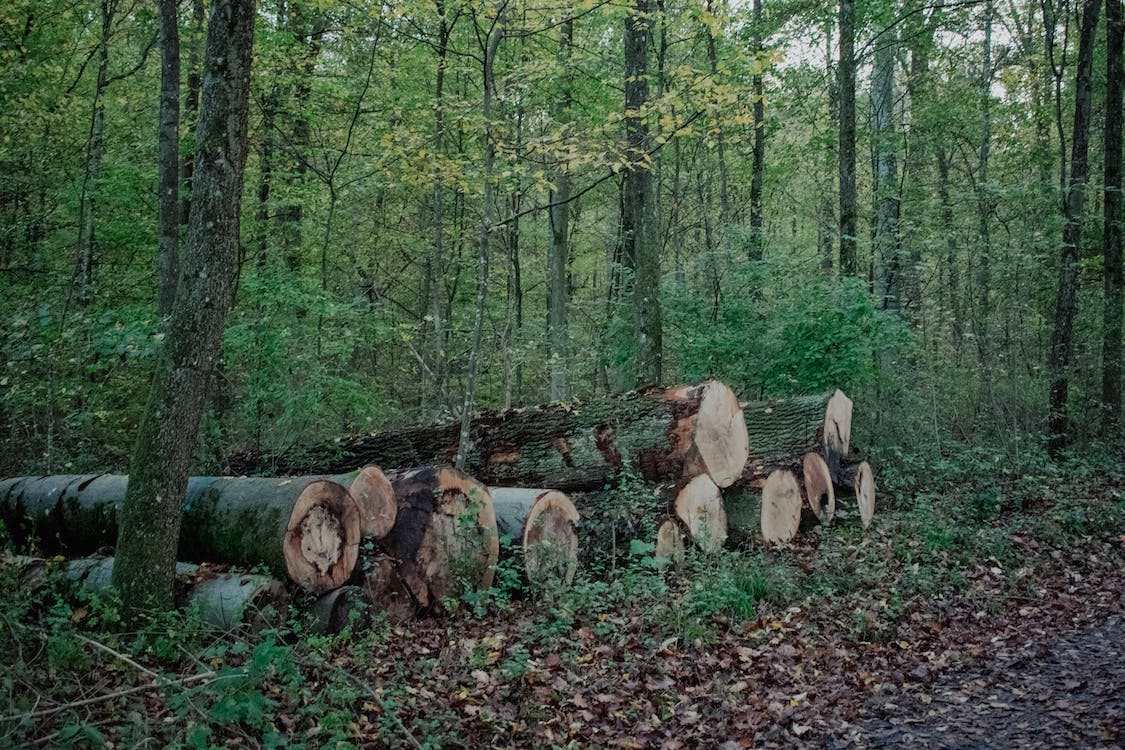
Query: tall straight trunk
757	224
166	439
436	264
886	174
985	202
639	230
191	103
725	217
488	82
168	148
1111	324
1067	300
845	73
558	288
826	229
952	263
95	145
918	155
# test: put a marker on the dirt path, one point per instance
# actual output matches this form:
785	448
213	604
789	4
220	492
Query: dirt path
1069	693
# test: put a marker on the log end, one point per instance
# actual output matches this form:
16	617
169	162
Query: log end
699	504
781	507
721	443
375	496
322	537
819	492
865	493
670	544
837	433
550	543
339	609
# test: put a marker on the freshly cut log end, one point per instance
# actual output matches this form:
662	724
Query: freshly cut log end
819	492
322	537
550	543
373	493
445	535
837	430
865	493
699	504
339	609
719	443
781	507
670	543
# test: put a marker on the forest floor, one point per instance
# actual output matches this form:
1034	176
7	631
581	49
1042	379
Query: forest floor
982	609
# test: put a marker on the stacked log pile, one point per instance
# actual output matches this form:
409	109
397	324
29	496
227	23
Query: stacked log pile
404	541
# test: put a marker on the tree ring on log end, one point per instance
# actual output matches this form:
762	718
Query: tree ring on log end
819	492
322	537
700	506
837	427
670	543
865	493
720	441
550	544
781	507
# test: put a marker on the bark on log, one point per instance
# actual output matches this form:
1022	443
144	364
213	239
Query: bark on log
782	431
662	435
542	523
444	537
227	600
305	528
781	507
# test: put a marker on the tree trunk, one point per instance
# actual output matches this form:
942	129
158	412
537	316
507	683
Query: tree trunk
757	223
191	106
845	73
983	278
436	259
1067	299
558	287
663	435
168	148
887	249
1111	325
306	528
166	440
639	229
542	523
445	537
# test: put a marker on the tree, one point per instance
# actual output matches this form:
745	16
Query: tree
641	249
1067	299
166	439
845	73
1111	325
558	291
168	199
886	172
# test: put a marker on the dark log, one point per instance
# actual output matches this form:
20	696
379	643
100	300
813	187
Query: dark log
307	528
661	434
347	606
542	523
444	539
783	430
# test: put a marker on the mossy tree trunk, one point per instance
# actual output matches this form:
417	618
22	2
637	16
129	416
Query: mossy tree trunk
166	441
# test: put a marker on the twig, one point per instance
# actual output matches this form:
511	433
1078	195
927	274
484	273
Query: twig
119	655
117	694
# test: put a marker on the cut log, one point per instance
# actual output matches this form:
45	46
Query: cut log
445	537
781	507
662	435
816	481
373	493
305	528
347	606
699	504
783	430
226	600
670	543
864	484
383	584
542	522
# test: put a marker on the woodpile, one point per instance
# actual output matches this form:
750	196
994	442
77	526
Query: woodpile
408	540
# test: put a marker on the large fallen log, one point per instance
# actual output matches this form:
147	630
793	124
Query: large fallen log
307	528
542	523
227	600
444	540
783	430
660	434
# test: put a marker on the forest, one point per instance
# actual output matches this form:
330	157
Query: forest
272	238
